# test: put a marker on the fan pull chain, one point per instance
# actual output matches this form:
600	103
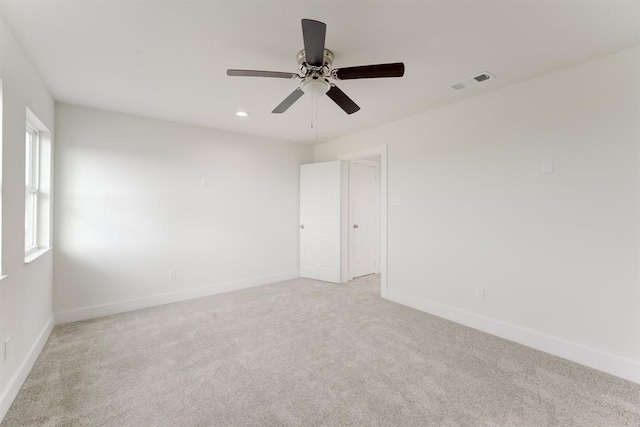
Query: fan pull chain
313	102
314	113
316	117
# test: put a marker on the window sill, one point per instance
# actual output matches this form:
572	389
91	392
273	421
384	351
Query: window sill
28	259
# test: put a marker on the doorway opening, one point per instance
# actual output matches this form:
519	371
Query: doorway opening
363	192
364	214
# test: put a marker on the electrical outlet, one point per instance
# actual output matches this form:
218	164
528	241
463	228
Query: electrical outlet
5	351
479	293
173	275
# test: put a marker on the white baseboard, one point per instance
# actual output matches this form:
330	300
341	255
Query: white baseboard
155	300
614	365
15	383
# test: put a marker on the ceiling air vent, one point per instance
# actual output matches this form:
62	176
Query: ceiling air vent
482	77
473	81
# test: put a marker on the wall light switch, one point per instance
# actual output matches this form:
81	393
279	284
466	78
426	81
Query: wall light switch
547	166
396	201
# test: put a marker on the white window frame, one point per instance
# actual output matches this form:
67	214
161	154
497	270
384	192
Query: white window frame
32	187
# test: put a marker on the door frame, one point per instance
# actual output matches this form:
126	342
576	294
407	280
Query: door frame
381	151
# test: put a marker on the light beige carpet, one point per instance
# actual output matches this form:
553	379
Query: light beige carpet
306	353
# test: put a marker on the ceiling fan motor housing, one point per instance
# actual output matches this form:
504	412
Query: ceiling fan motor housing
306	68
314	82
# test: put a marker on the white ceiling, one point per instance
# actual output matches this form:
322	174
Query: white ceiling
167	59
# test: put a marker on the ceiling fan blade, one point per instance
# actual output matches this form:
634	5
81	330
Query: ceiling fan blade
343	101
395	69
256	73
288	101
313	34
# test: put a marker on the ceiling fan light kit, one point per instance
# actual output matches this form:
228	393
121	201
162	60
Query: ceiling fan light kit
316	88
316	72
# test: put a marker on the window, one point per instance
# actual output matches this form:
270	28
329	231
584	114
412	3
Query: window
32	139
37	184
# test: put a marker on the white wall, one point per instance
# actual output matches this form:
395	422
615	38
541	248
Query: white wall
130	208
557	254
26	316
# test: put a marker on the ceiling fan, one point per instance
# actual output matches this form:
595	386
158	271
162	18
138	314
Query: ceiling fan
315	71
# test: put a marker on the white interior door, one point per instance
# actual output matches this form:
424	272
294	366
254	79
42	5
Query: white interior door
364	190
320	221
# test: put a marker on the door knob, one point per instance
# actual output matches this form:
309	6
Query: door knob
301	225
355	225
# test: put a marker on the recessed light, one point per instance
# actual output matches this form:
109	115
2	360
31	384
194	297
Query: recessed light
242	114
